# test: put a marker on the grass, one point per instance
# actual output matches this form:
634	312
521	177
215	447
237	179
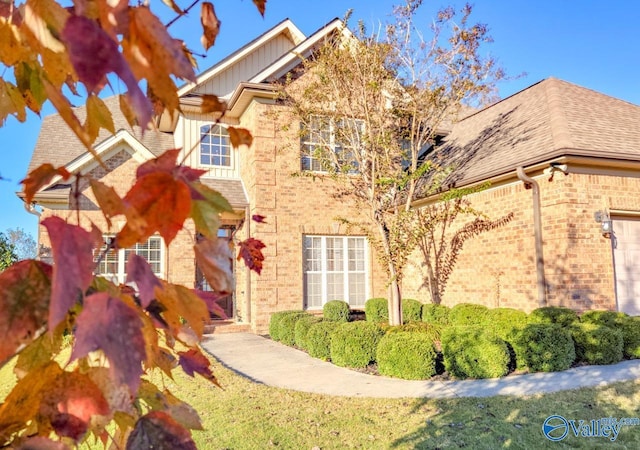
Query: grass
246	415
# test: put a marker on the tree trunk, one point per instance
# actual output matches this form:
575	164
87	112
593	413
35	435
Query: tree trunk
395	302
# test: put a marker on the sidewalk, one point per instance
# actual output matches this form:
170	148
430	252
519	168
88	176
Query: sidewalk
265	361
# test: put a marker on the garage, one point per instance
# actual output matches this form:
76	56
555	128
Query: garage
626	258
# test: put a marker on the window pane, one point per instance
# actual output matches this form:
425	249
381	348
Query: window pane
335	286
334	254
313	288
214	146
357	289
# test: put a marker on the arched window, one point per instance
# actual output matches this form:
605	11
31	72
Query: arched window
214	146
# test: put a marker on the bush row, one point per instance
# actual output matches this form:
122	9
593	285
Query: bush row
472	341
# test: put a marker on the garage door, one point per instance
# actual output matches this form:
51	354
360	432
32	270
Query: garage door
626	258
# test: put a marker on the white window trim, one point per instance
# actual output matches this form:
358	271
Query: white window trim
208	127
121	276
345	269
332	145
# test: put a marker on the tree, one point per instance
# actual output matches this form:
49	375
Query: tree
371	109
439	243
23	243
8	254
118	333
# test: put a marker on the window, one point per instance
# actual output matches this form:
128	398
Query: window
214	146
341	137
335	268
114	265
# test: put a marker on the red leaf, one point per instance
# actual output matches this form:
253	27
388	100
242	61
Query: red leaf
41	443
258	218
210	25
139	271
25	289
216	262
261	5
70	402
40	177
211	299
109	324
193	361
240	136
251	252
162	201
158	430
94	54
72	249
164	163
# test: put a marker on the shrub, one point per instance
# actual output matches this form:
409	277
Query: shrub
406	355
503	321
376	310
274	322
287	325
554	314
473	352
336	310
631	337
612	319
597	343
545	347
319	339
302	328
354	344
411	310
434	332
468	314
435	314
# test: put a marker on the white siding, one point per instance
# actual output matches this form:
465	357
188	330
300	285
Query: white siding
225	82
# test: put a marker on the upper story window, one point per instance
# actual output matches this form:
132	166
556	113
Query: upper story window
113	265
340	137
215	149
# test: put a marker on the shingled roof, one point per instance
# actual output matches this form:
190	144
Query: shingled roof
59	146
550	119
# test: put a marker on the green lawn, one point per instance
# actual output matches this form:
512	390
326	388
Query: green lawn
246	415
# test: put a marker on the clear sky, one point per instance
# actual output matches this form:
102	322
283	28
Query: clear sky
592	43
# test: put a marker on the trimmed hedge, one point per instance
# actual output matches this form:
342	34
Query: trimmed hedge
465	314
435	314
376	310
411	310
631	337
287	325
503	321
354	344
406	355
336	310
597	343
545	347
434	332
473	352
612	319
318	339
302	328
554	314
274	322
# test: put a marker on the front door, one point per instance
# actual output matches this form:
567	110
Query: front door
226	303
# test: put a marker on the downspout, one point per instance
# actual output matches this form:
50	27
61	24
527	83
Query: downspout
247	278
30	208
530	183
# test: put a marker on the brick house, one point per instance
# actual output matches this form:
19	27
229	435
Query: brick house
310	258
582	149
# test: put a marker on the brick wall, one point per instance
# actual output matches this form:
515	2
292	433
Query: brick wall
294	206
497	268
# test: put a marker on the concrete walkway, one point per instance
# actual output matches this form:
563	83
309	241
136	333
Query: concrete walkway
265	361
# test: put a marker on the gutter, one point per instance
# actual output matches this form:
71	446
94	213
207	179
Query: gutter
530	183
247	278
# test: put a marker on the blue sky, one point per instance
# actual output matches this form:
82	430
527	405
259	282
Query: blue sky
591	43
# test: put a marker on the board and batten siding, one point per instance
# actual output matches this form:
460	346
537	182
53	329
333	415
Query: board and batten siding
187	135
226	81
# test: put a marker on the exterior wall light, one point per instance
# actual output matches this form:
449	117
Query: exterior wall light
606	226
